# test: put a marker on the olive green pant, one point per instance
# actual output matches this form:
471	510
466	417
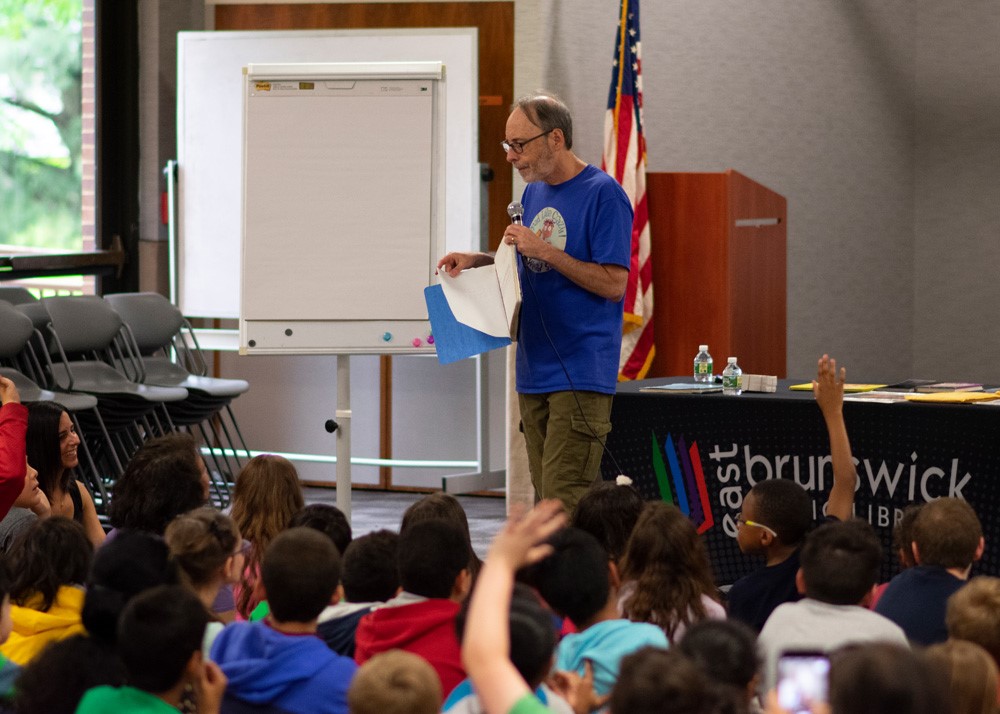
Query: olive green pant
564	433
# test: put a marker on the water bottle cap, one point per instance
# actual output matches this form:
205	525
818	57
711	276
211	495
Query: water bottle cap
703	348
732	360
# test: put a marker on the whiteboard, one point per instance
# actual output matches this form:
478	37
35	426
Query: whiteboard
342	189
210	141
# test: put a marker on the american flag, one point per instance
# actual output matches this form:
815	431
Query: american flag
625	159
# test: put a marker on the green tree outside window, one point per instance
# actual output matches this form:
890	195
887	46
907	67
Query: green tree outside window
40	123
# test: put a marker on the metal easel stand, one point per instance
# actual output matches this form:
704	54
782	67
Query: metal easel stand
482	480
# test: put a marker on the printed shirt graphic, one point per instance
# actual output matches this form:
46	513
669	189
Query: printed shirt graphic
570	338
548	225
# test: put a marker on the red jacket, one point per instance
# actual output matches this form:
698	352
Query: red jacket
13	427
424	628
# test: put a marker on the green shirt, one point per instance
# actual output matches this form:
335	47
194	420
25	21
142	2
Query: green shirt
122	700
528	704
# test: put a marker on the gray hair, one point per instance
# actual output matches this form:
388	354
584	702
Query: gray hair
547	111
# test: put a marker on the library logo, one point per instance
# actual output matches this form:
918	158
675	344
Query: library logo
681	479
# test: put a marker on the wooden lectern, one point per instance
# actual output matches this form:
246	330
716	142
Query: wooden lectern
718	251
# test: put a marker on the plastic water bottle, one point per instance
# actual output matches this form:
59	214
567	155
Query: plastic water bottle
703	365
732	379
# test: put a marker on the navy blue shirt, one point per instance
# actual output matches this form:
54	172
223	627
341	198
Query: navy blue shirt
916	600
753	597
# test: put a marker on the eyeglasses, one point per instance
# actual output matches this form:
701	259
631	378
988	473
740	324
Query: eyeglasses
744	522
518	146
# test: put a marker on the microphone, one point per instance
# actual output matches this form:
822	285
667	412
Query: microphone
515	210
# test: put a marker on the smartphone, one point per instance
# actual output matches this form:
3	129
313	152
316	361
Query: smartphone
803	680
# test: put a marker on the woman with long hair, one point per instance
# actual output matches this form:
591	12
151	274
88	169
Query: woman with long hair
665	572
266	496
52	444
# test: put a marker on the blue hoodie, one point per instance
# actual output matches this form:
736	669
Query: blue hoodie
295	673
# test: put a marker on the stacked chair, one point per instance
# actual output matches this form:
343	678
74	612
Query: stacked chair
169	356
126	368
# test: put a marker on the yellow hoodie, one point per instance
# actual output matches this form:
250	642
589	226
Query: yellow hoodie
33	629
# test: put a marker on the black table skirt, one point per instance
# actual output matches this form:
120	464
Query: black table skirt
705	451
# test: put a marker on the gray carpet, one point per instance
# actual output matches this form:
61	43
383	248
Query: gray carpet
373	510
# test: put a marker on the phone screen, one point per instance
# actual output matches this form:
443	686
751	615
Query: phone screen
803	678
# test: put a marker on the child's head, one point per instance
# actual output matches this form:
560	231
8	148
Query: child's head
326	519
266	497
206	546
532	634
57	678
652	680
971	672
947	534
974	614
880	677
395	682
51	553
727	652
574	580
609	513
300	571
902	536
165	477
159	633
370	572
442	507
840	562
775	512
433	560
124	567
668	563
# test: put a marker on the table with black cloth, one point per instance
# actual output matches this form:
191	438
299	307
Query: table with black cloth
705	451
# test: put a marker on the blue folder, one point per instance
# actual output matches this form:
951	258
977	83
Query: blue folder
453	340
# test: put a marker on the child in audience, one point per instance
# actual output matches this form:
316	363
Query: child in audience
523	541
532	642
973	614
777	513
279	662
370	577
578	581
840	563
653	681
209	552
52	444
971	672
266	497
13	428
947	540
879	678
445	507
49	566
123	568
609	512
666	577
160	644
433	561
395	682
726	650
164	478
328	520
30	505
902	538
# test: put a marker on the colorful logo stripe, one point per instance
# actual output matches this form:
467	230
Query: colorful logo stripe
681	480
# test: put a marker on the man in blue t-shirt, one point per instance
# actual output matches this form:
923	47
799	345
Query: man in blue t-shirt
574	261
